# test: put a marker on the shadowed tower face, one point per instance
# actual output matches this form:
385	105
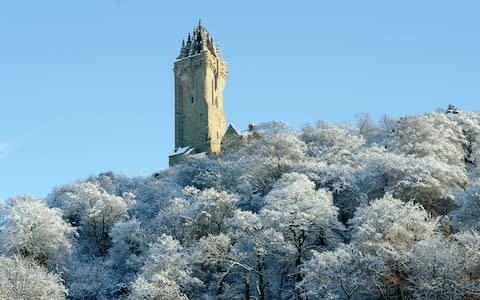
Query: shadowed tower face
200	75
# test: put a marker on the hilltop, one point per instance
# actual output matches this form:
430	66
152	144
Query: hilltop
358	210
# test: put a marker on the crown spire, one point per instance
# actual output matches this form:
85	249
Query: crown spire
199	41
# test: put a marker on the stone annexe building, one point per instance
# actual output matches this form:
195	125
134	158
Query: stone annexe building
200	76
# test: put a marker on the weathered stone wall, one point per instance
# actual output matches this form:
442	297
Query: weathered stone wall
199	116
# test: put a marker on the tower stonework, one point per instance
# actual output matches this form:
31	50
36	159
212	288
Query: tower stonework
200	75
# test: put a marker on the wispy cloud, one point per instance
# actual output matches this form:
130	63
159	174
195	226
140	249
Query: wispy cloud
5	148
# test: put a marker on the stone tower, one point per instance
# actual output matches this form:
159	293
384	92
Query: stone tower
200	75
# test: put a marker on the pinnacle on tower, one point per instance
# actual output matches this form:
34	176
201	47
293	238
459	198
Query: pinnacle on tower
199	41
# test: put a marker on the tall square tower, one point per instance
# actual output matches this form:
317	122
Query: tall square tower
200	76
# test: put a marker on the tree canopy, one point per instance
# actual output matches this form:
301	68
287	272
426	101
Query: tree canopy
363	210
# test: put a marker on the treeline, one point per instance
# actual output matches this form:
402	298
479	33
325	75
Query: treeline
363	210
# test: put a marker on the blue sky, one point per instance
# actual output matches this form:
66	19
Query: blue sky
87	86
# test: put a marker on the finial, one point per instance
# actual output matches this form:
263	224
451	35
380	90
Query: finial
200	23
189	38
183	43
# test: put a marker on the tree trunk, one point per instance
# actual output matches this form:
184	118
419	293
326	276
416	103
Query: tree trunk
298	261
247	285
261	279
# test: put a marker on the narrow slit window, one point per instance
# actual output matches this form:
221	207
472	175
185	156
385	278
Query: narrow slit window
213	92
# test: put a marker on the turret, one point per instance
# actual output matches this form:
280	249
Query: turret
200	76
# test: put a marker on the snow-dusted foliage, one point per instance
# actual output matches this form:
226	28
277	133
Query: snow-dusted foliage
425	180
331	143
303	215
386	210
396	251
468	216
389	224
266	159
33	230
166	273
429	135
445	267
386	230
23	278
345	273
197	214
93	210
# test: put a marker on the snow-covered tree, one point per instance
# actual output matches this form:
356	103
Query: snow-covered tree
265	160
388	229
425	180
338	178
432	134
93	210
152	194
467	217
245	263
36	231
166	273
345	273
332	163
23	278
216	252
129	245
201	213
331	143
260	221
389	224
368	129
2	213
90	277
377	263
445	267
260	252
302	214
470	125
